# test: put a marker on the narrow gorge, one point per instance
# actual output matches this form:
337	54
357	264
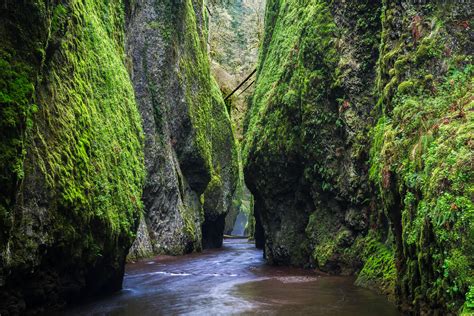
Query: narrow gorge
136	179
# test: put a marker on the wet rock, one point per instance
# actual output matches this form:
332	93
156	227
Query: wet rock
70	193
190	153
305	150
353	149
356	219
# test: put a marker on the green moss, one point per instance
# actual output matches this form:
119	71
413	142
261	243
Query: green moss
196	71
84	144
286	73
468	308
58	19
210	120
405	86
84	141
207	109
320	232
429	48
420	152
379	265
328	248
189	227
431	151
21	54
17	88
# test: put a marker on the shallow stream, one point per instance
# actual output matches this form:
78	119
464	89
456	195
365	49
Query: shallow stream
233	280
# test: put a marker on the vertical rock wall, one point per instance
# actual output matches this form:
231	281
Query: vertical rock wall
190	152
358	145
306	129
71	152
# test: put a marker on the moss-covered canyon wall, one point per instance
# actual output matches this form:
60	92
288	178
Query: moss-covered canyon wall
422	151
306	129
358	145
112	130
71	158
190	152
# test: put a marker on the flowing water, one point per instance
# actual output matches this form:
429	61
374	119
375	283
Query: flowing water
233	280
239	225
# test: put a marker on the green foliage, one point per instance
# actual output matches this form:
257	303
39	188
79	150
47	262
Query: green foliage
320	232
422	152
20	49
468	308
379	265
405	86
58	19
17	109
427	143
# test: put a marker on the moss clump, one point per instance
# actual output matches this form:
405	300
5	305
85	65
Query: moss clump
17	109
405	86
468	308
379	269
21	55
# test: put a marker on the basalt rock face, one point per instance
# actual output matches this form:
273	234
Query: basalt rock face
307	125
358	145
71	157
190	153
